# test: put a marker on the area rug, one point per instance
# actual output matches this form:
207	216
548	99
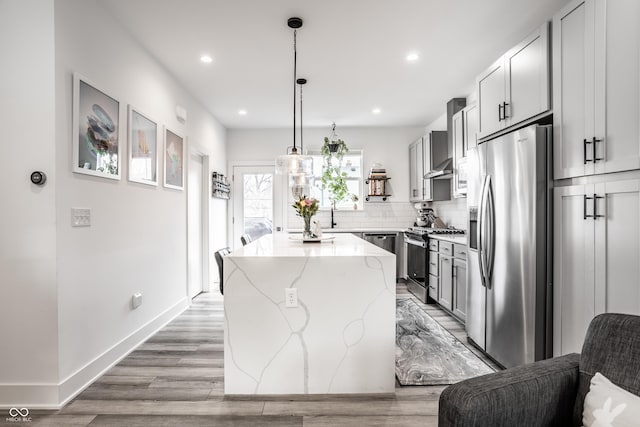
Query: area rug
427	354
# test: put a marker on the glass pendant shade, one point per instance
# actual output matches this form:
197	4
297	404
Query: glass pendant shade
294	164
301	179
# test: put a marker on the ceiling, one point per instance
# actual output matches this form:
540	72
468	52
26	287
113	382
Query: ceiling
353	53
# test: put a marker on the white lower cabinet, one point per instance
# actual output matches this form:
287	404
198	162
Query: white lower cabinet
445	298
460	288
596	257
448	276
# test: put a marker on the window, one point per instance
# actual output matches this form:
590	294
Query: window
352	166
258	204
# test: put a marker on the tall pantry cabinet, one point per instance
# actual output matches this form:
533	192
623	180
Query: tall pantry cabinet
596	101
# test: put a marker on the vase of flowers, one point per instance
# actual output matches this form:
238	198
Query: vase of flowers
306	208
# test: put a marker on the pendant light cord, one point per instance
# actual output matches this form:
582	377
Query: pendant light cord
295	60
301	144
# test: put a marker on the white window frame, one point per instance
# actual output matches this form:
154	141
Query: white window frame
347	205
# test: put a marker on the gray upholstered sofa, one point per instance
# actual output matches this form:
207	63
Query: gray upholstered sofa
550	392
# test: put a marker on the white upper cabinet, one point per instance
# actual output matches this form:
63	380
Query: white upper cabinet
596	82
471	126
459	155
416	171
515	87
491	98
464	125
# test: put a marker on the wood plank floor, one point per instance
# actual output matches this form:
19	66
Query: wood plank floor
176	379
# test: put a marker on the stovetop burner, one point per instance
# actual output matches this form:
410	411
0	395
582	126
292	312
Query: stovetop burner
429	230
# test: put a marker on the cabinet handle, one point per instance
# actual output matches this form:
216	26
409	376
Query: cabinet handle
499	112
595	206
434	264
504	111
593	141
584	151
584	206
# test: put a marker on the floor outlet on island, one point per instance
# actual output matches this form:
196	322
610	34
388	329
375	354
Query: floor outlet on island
291	297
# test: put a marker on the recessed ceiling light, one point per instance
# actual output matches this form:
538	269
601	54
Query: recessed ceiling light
412	57
242	112
376	111
206	59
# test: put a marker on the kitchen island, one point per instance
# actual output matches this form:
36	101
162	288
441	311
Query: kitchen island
339	339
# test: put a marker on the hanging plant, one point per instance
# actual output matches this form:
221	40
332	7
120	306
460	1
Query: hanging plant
333	179
337	148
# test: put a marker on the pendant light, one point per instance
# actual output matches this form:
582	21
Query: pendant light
294	164
301	183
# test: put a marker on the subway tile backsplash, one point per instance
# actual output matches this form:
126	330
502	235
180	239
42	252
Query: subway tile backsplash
452	212
386	215
382	215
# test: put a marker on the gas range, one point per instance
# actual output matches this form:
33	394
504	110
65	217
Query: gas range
425	231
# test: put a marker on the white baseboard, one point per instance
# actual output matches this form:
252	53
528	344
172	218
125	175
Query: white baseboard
55	396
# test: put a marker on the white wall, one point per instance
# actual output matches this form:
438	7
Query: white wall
386	145
67	291
28	325
137	241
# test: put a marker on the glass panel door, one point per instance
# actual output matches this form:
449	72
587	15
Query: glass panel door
253	202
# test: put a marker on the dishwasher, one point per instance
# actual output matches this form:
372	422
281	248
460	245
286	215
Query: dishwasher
386	241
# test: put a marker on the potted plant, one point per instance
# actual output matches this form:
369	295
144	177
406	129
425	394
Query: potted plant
333	179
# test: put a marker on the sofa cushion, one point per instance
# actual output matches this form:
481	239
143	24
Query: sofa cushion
538	394
611	347
606	404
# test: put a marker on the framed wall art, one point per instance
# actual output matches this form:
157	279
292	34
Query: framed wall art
143	148
96	128
174	152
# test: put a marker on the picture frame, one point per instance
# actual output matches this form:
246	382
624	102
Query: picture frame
174	158
143	148
96	131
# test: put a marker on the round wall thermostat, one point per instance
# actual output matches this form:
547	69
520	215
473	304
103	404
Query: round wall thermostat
38	178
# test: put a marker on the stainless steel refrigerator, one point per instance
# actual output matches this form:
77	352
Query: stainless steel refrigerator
509	259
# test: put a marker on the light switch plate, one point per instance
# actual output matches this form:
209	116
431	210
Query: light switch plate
136	300
80	217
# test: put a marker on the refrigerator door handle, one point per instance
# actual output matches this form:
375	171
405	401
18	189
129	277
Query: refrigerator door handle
481	231
490	236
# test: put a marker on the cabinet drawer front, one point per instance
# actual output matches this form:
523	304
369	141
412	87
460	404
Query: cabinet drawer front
433	286
433	263
460	251
433	245
446	248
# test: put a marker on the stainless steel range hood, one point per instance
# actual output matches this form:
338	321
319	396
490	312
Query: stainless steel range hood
441	171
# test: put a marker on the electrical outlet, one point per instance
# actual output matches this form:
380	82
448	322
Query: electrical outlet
291	297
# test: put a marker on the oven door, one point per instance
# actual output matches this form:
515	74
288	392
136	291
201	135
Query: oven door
416	259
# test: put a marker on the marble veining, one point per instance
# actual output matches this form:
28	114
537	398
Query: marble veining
427	354
299	333
340	339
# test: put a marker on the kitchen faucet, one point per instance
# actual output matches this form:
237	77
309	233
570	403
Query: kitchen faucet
333	223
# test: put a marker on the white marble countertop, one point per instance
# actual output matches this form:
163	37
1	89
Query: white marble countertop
283	245
354	230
